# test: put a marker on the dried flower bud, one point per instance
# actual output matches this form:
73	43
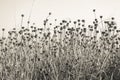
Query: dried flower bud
3	29
50	13
83	20
112	18
22	15
101	16
93	10
74	22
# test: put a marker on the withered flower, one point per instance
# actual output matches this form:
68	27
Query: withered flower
94	10
50	13
78	20
83	21
112	18
22	15
3	29
74	22
101	16
115	27
97	31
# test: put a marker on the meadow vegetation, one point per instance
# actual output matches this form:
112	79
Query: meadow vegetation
66	52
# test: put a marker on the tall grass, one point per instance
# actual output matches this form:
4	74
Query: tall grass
77	52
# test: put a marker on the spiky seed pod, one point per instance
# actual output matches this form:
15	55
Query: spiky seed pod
112	18
109	30
95	27
23	27
96	20
60	23
28	22
50	23
84	29
22	15
79	24
117	31
83	21
115	27
117	42
61	28
94	10
38	59
101	16
97	31
74	22
9	32
3	29
103	32
50	13
31	27
91	29
78	20
64	21
83	25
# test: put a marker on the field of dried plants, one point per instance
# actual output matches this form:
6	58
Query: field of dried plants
77	52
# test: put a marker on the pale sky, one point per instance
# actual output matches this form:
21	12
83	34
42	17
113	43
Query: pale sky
11	10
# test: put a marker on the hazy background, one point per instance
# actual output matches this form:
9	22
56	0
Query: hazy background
11	10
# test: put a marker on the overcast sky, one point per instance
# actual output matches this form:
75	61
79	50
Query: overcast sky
11	10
